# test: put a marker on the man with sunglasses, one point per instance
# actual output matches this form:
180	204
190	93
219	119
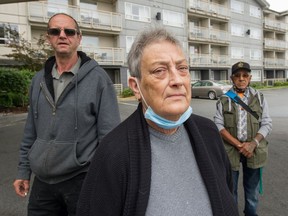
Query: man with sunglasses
73	105
244	134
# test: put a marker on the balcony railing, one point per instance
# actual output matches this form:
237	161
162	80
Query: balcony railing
275	25
209	8
103	20
212	35
105	55
204	60
275	44
275	63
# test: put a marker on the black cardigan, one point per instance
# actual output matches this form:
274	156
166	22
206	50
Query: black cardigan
118	181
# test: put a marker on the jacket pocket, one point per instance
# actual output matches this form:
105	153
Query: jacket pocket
53	158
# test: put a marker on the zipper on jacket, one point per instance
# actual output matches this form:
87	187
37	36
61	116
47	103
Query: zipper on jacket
48	99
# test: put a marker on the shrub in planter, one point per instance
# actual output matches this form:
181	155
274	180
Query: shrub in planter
127	93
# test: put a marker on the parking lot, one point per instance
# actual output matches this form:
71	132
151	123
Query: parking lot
274	202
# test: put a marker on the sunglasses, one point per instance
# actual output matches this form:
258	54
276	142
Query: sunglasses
238	75
57	31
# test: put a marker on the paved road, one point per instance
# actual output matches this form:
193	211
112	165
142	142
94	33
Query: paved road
274	202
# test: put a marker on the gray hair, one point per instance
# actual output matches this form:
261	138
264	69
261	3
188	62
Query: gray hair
146	37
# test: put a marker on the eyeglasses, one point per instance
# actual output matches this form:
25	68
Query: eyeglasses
57	31
238	75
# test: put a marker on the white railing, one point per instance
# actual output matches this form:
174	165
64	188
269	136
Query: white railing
214	35
42	11
276	44
276	25
105	55
200	60
275	63
213	9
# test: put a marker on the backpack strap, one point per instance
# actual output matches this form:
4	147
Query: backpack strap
238	100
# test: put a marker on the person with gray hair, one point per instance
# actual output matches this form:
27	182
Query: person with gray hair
163	159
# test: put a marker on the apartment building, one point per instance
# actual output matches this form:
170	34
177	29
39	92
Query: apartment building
275	56
214	33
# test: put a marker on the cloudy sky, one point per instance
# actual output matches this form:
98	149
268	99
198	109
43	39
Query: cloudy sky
278	5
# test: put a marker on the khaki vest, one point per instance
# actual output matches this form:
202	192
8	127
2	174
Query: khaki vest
230	114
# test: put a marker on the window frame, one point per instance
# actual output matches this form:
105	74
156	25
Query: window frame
137	17
253	11
168	17
240	31
256	54
7	38
235	50
237	7
129	43
255	33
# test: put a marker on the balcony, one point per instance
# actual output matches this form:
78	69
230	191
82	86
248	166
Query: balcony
40	12
209	9
275	63
209	35
209	60
275	44
275	25
105	55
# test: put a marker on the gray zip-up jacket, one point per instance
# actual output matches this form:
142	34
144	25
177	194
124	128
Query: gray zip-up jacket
60	138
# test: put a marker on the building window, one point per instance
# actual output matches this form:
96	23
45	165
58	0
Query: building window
172	18
195	75
255	54
129	42
9	33
237	53
237	30
137	12
237	7
255	11
255	33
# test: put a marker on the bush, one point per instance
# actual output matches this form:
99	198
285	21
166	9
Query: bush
257	85
281	84
127	93
14	87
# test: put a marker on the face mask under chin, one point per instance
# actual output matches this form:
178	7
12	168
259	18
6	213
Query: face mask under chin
160	121
239	90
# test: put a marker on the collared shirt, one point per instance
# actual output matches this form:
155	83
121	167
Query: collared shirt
61	81
266	121
242	113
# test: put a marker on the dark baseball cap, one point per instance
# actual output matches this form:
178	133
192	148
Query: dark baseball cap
240	65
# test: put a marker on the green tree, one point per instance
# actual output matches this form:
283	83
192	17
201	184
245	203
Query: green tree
30	56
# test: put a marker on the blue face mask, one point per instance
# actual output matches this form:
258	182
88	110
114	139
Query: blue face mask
160	121
165	123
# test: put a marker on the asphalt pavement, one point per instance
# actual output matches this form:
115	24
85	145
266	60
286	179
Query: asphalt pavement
273	202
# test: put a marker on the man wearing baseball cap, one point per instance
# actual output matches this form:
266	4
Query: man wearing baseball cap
244	134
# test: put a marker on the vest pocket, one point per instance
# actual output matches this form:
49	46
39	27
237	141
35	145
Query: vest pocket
260	156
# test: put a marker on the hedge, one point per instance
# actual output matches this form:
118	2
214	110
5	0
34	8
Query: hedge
14	87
